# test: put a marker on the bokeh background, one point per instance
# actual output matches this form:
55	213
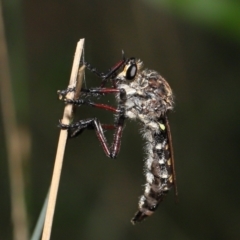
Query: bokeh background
195	45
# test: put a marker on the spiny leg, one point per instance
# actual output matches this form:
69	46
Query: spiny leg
63	93
93	91
87	91
108	75
104	76
80	102
93	123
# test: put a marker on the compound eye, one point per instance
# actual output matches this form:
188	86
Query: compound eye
131	69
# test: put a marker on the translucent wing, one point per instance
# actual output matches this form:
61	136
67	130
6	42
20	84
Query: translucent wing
172	159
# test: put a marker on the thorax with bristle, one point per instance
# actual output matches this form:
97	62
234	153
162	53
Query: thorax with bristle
148	96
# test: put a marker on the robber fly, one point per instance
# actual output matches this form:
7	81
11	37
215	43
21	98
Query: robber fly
143	95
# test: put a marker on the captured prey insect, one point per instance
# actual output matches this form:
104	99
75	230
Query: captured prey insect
143	95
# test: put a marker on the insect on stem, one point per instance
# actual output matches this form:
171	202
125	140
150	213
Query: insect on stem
142	95
67	116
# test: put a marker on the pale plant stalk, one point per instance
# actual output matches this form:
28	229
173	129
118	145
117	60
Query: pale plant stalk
13	142
67	117
39	225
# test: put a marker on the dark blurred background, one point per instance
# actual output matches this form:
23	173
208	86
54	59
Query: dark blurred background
195	45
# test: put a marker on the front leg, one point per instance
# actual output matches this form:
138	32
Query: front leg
111	74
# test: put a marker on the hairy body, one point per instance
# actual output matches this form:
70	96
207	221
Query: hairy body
148	99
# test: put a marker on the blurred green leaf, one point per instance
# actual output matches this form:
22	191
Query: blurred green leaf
222	16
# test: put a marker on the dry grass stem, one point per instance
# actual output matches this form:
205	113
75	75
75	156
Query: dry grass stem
67	117
13	143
